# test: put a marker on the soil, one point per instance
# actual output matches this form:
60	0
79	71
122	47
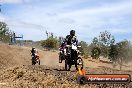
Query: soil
16	70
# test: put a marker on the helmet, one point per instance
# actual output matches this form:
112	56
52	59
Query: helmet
33	48
72	32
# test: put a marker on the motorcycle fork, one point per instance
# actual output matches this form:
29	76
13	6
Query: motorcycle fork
75	59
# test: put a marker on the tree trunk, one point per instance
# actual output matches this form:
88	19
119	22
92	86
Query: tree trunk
120	63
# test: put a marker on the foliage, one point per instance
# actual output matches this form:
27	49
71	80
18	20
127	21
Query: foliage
5	33
106	38
103	42
84	49
124	49
120	53
61	39
95	52
113	53
51	42
95	41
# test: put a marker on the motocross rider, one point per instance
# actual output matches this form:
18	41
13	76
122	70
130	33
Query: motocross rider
34	51
69	40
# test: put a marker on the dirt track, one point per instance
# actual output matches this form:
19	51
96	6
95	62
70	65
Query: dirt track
16	70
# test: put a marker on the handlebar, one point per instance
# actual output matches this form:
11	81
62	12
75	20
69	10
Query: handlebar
78	46
70	46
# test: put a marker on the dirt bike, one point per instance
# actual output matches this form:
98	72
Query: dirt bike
72	57
35	59
62	55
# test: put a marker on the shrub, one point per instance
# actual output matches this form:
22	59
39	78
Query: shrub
50	43
5	33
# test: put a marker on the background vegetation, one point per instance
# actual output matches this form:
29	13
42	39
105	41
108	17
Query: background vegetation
5	33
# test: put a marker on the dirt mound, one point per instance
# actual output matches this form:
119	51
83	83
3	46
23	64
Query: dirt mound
13	55
36	77
46	77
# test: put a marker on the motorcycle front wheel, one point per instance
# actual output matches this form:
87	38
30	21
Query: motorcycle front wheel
38	62
33	61
80	61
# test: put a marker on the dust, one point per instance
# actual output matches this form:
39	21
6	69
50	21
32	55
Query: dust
50	58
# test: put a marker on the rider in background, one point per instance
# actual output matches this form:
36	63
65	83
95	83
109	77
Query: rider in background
34	51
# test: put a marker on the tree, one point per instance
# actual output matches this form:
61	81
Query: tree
103	42
50	43
113	54
95	52
47	34
124	52
120	53
95	41
5	33
106	38
84	48
61	39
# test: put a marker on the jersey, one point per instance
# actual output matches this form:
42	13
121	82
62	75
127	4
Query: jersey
71	39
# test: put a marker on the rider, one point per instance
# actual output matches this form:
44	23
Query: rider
33	51
70	39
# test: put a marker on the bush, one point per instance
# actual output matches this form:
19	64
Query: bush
95	52
50	43
5	33
103	42
84	48
124	55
